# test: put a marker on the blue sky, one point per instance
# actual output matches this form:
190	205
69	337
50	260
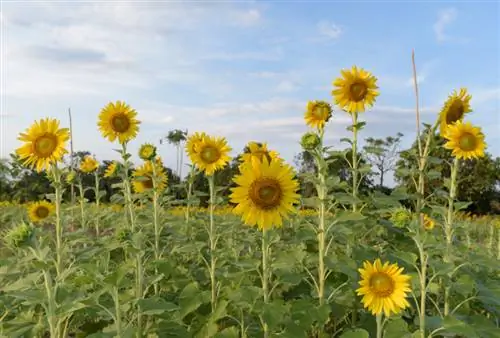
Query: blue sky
243	70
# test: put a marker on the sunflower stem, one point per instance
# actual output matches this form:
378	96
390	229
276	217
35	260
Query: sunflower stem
321	235
380	326
188	196
82	202
51	308
118	316
58	193
449	229
155	224
213	241
354	116
97	198
265	275
498	242
128	192
491	238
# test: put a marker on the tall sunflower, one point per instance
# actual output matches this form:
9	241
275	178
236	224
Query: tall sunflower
143	177
265	194
118	121
44	144
89	164
383	288
465	140
111	169
317	114
454	109
209	154
258	150
39	211
355	90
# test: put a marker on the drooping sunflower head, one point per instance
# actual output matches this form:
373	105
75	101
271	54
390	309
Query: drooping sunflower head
384	288
39	211
111	169
147	151
210	154
317	114
193	140
265	193
143	177
118	121
454	109
465	140
355	90
44	144
89	164
429	223
258	150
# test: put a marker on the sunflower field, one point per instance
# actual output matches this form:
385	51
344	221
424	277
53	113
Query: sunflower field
264	259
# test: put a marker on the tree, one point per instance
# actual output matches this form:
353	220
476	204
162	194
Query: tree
176	137
382	154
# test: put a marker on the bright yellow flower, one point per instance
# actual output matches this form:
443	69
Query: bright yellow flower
258	150
39	211
210	154
265	194
455	108
111	169
147	152
117	120
44	144
384	288
89	164
143	177
355	90
429	223
318	113
465	140
193	140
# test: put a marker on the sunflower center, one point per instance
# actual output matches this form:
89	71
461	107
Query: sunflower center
210	154
42	212
455	113
382	284
320	113
120	123
148	183
45	145
266	193
467	142
358	91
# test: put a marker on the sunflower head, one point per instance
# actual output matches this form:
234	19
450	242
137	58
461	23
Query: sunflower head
118	121
465	140
400	217
355	90
310	141
384	288
143	177
44	144
317	114
70	177
111	169
40	211
209	154
428	223
265	193
147	152
18	236
89	164
258	150
193	140
454	109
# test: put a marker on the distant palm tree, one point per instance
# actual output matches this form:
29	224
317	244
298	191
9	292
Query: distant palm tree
176	137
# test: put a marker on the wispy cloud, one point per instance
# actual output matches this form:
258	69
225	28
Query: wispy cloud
329	30
446	18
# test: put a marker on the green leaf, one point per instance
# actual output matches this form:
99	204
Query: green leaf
345	216
453	325
156	306
356	333
189	299
229	332
396	328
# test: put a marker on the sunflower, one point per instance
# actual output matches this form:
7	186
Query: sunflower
111	169
465	140
209	153
193	140
44	144
428	222
258	150
318	113
143	177
117	120
147	151
383	288
355	89
455	108
89	164
265	193
39	211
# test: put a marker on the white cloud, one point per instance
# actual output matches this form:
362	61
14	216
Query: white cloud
329	30
286	86
445	18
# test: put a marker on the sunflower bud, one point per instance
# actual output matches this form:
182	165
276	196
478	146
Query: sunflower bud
18	236
147	152
310	141
71	177
400	217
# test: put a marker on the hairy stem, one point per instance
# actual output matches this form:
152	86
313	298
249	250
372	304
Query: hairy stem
380	327
265	275
213	241
156	224
97	198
